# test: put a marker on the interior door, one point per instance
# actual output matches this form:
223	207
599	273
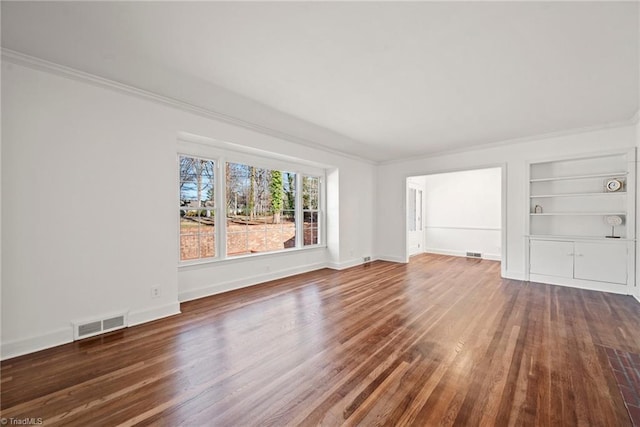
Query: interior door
415	228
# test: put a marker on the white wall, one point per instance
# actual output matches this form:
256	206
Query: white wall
463	212
390	237
89	208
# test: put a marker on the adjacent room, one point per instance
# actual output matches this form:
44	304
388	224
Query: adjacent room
319	213
456	213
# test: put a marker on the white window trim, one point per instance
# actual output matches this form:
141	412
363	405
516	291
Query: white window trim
204	150
216	209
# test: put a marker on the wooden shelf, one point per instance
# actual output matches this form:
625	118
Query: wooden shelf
574	237
577	213
595	175
541	196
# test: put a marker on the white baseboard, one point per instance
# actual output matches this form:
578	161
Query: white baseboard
61	336
231	285
32	344
155	313
580	284
391	258
437	251
345	264
517	275
444	252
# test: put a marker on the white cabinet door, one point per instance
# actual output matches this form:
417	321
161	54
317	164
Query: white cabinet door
551	258
601	262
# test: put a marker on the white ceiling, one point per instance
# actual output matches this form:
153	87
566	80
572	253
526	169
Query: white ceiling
398	79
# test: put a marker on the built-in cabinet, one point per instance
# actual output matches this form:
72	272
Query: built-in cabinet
581	222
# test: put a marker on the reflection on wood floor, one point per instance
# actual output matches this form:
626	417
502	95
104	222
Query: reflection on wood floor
439	341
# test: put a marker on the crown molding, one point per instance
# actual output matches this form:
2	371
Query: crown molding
509	142
33	62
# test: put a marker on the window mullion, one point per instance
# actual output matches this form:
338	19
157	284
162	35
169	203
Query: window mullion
221	210
321	209
298	207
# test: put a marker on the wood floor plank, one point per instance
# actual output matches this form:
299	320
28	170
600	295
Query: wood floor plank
438	341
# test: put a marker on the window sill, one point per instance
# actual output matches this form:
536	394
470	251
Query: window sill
243	258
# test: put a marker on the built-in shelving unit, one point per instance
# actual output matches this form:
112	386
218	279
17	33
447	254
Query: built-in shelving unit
572	204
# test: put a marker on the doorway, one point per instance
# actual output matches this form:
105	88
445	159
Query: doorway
456	213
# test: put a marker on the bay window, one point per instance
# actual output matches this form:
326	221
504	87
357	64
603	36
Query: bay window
263	209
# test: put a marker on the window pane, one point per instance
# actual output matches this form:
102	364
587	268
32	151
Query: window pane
311	217
419	210
207	245
237	244
310	209
289	189
197	234
257	241
260	205
288	221
310	234
189	247
197	202
411	210
207	233
196	182
310	192
188	222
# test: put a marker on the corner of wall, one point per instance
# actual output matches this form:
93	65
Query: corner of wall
391	258
345	264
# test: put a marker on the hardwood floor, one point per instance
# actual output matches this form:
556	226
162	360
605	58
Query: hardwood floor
440	341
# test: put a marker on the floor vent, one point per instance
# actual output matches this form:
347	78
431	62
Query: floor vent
96	327
474	255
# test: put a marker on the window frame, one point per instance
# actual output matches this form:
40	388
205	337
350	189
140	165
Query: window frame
221	157
215	210
319	227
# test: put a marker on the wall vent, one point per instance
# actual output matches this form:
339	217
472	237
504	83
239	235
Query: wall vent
98	326
474	255
113	323
89	328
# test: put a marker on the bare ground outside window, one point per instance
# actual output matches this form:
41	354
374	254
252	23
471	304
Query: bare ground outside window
244	236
